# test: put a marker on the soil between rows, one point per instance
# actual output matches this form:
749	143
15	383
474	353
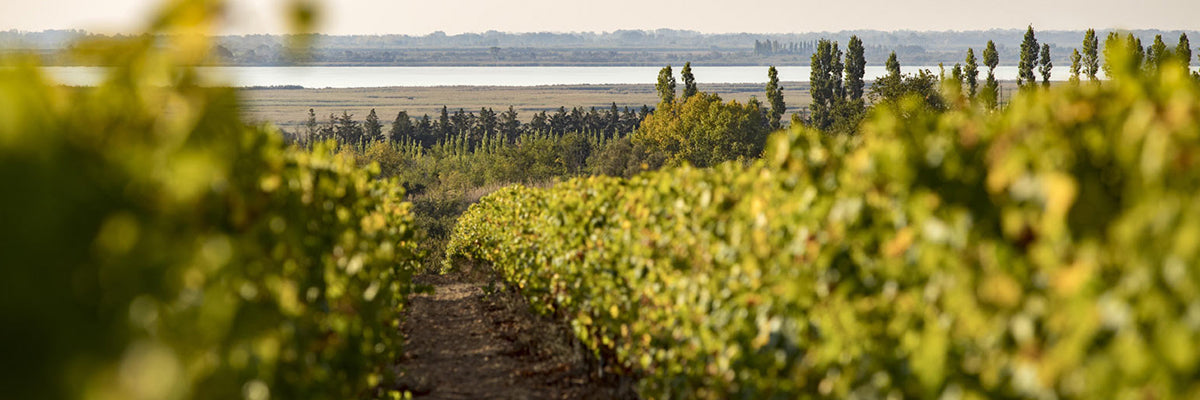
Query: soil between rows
475	339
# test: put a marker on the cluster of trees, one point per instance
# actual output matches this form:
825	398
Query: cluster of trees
836	86
1149	58
837	105
770	47
488	124
701	129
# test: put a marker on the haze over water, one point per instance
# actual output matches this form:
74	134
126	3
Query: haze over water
351	77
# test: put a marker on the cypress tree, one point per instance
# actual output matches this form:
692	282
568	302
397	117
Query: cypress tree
666	86
971	73
856	68
689	81
1091	60
1029	59
991	89
1046	66
775	97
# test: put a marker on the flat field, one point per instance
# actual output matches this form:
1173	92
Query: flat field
288	108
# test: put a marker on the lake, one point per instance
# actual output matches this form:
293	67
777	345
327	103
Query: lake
352	77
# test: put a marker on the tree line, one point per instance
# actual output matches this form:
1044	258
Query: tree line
507	126
836	83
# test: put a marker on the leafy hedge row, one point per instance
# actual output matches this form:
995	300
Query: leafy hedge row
1051	250
154	246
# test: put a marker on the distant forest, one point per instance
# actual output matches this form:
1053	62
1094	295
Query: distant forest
619	48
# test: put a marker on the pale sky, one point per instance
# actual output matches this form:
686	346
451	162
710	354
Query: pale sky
709	16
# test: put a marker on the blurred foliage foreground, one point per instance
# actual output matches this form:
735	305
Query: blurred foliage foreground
156	247
1049	250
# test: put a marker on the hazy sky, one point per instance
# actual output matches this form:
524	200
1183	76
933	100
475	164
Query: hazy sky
711	16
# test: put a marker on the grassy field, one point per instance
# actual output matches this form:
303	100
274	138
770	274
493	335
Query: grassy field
288	108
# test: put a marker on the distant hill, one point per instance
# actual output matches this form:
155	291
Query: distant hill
623	47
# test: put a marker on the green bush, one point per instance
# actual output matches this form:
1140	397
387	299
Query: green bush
1051	250
156	247
703	131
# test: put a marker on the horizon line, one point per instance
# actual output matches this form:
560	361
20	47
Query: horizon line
655	30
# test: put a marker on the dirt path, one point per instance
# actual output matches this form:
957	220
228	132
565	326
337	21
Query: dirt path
470	340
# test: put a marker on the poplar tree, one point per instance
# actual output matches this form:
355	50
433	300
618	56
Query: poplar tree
1046	66
1139	52
1183	51
1111	43
856	67
991	89
689	81
666	85
825	84
1157	54
1029	59
775	97
1075	57
1091	59
956	77
310	126
893	65
836	70
971	73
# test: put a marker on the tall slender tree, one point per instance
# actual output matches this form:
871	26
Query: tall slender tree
443	124
1111	43
956	78
836	70
775	97
991	89
825	84
856	67
689	81
666	85
893	65
1091	60
310	126
1075	66
1139	52
1029	59
1046	65
971	73
1157	54
1183	51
